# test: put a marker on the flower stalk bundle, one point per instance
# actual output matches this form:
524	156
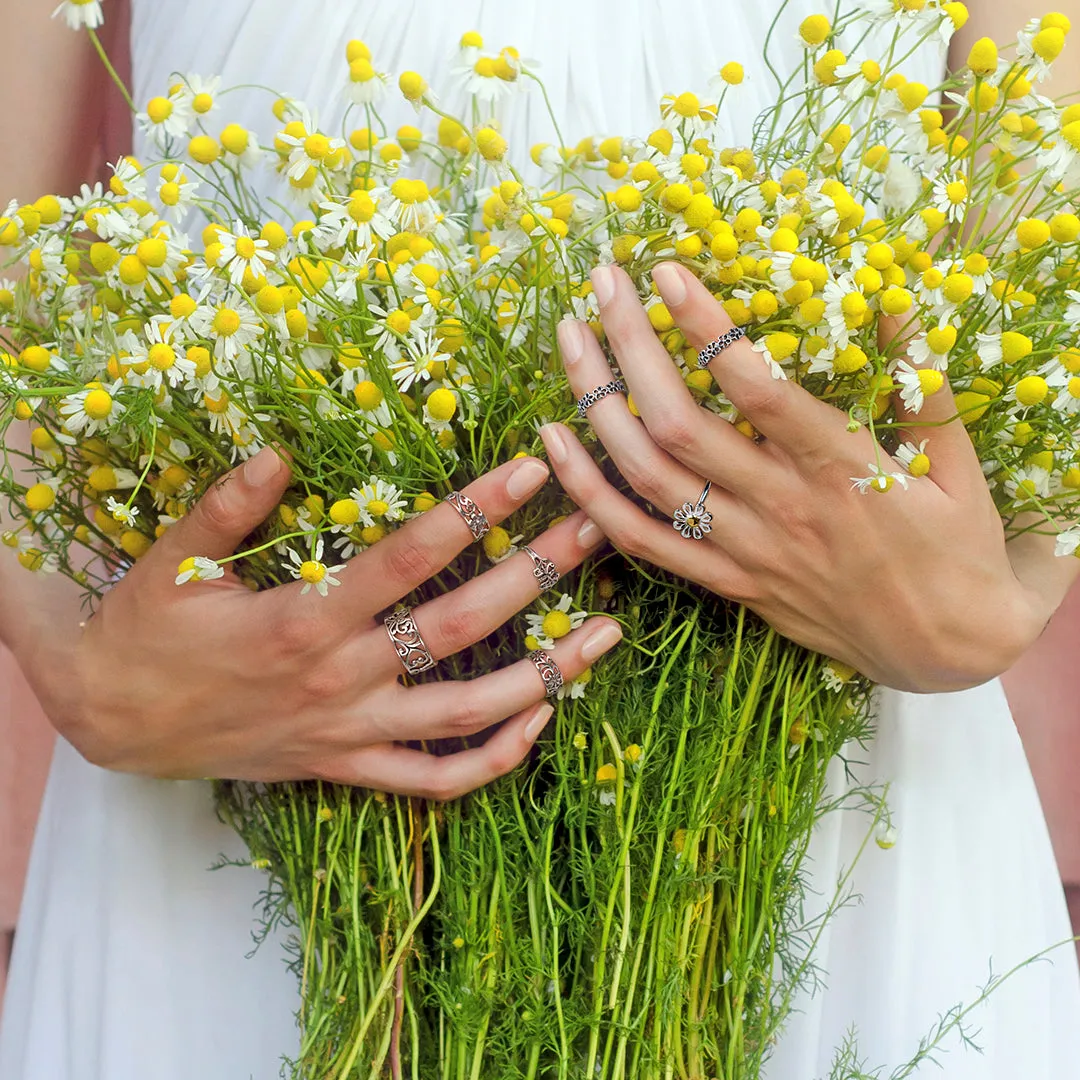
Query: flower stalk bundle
631	903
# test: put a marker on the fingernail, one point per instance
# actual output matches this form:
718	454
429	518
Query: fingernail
555	442
571	344
670	283
603	284
599	641
590	533
263	467
538	722
528	477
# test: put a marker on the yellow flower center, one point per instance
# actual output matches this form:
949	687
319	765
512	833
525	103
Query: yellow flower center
312	572
245	247
398	321
202	103
98	404
159	109
377	507
316	146
368	395
161	356
226	322
345	512
556	624
442	404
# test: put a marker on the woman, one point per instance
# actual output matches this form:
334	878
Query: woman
605	66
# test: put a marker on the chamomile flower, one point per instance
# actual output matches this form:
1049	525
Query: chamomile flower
122	512
950	196
379	499
240	252
162	357
166	118
1067	399
1028	482
312	151
356	220
81	14
230	324
552	622
879	480
914	457
1038	47
916	384
845	308
423	355
313	572
200	93
932	348
1068	542
91	410
574	689
364	85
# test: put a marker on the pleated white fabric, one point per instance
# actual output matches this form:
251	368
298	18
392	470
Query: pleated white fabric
129	962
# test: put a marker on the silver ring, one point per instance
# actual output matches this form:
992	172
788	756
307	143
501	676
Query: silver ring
693	520
718	345
544	570
470	513
408	644
587	401
549	671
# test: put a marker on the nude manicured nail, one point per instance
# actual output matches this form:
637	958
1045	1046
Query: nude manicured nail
670	283
571	343
599	641
538	722
263	467
528	477
603	283
589	534
555	442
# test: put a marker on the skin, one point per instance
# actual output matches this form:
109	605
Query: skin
872	581
275	685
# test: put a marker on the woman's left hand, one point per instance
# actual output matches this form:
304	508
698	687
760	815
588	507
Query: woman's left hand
912	587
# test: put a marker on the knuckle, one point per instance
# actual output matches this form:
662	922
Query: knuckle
218	505
644	477
761	400
459	626
441	787
629	541
326	681
674	431
296	635
464	717
410	560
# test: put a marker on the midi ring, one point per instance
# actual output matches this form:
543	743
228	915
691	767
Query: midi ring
405	636
693	520
544	570
718	345
587	401
470	513
549	671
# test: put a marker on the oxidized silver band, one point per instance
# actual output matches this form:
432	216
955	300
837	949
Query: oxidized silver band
407	642
544	570
587	401
693	520
549	671
718	345
471	514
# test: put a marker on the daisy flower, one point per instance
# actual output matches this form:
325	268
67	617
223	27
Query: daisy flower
198	568
309	152
314	572
545	627
879	480
240	251
424	352
1068	398
365	85
1031	481
91	410
166	118
166	361
122	512
917	384
914	458
379	499
199	94
231	325
950	196
79	14
1067	542
357	218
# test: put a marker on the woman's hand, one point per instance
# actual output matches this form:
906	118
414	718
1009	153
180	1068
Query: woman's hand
210	679
913	586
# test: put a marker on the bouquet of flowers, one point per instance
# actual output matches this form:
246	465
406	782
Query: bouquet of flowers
630	903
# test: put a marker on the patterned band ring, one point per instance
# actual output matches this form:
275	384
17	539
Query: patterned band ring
587	401
693	520
549	671
718	345
544	570
470	513
408	644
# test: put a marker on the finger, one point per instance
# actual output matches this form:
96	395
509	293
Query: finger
476	609
954	464
782	411
701	440
449	709
635	533
395	768
653	473
406	558
232	507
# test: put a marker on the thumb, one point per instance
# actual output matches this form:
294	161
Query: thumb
233	506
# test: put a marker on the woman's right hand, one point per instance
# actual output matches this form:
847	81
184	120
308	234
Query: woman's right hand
211	679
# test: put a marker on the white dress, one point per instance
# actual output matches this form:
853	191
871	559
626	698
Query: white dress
129	961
